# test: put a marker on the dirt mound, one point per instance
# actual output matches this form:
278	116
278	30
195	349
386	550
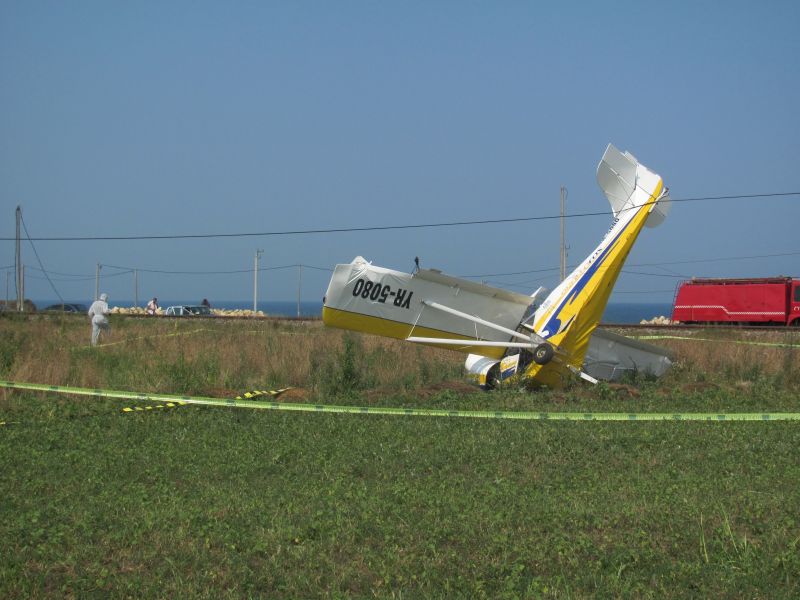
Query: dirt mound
459	387
294	395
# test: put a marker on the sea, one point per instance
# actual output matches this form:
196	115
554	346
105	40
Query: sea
622	312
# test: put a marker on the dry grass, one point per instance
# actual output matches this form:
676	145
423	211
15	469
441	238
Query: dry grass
223	357
736	354
199	356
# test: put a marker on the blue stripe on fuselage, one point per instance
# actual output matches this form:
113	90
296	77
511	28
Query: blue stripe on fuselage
554	323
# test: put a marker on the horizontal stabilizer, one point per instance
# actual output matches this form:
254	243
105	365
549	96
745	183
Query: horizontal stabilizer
660	210
610	356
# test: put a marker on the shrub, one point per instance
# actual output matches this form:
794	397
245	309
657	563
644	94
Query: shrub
10	343
343	373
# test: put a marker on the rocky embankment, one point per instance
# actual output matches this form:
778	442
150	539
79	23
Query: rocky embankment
660	320
219	312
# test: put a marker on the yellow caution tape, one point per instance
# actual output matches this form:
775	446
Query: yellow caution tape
258	393
408	412
156	406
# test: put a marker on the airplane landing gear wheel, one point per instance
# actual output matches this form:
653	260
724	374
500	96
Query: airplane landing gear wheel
492	377
543	354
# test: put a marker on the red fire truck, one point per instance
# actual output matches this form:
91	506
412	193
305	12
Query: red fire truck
767	301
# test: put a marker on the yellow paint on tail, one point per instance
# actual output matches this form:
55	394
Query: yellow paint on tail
587	307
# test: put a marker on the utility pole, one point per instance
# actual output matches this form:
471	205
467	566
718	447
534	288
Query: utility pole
97	281
563	236
299	286
18	266
136	288
7	275
255	280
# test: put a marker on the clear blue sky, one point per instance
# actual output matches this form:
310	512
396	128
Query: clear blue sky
137	118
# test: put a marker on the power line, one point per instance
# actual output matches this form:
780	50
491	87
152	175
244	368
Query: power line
126	270
645	292
168	272
546	270
79	275
75	278
701	260
736	197
529	282
676	276
519	284
230	272
526	285
383	227
655	264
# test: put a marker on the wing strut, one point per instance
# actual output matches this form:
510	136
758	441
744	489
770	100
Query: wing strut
457	342
477	320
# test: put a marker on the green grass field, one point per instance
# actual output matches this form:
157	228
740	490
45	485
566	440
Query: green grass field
216	502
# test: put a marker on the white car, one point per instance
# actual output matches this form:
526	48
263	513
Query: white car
188	311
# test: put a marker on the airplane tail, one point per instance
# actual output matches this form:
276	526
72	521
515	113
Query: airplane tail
569	315
616	175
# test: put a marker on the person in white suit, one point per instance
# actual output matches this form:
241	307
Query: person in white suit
98	314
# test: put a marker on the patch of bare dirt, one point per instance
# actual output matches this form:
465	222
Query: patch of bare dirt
624	389
699	386
459	387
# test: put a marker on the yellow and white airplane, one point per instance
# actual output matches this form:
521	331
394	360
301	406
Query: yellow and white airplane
547	338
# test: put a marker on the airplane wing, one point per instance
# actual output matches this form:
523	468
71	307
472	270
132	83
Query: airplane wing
426	307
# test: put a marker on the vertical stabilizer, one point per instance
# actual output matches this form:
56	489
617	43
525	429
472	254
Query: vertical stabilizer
616	175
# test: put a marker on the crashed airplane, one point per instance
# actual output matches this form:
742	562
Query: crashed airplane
545	338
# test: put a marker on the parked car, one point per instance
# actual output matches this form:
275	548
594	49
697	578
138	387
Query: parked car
188	311
67	308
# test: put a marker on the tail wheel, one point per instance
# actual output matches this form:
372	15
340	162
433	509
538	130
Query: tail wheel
543	354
